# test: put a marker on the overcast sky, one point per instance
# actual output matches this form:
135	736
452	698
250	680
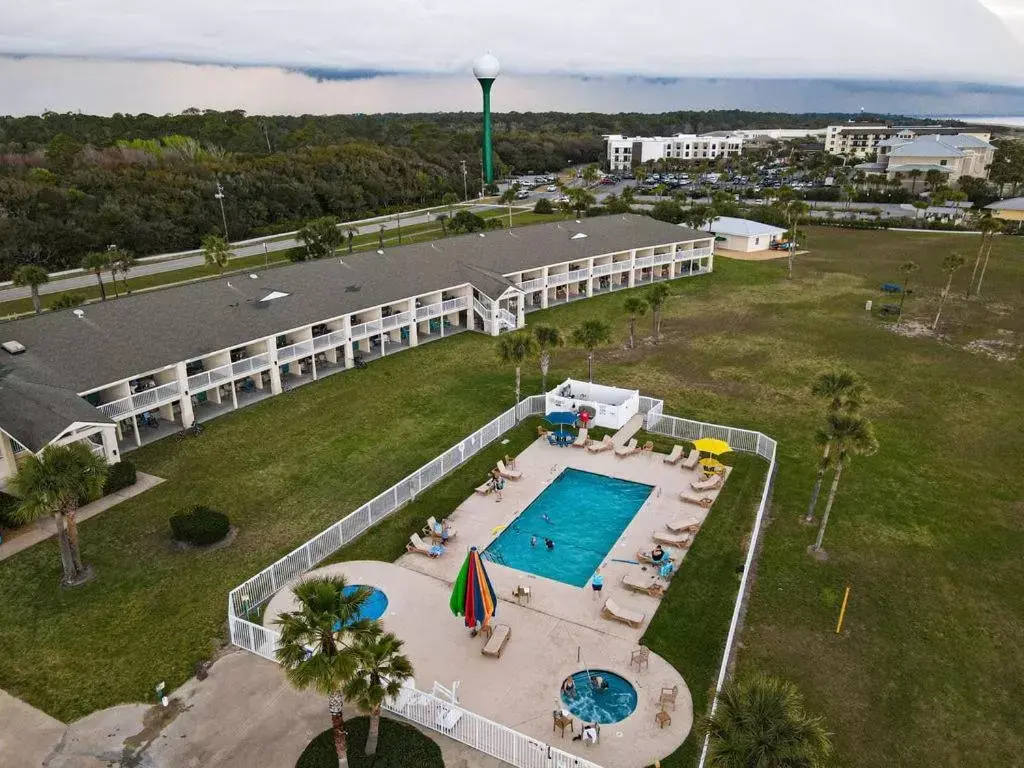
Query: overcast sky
964	40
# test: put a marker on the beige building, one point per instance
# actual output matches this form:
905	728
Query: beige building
954	156
862	140
1011	210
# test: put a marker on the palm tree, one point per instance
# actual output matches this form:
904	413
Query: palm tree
548	337
914	174
950	265
450	199
761	721
657	295
55	483
988	252
843	392
516	348
850	435
125	261
988	226
628	195
216	252
794	210
113	264
316	642
33	276
906	269
933	178
381	669
635	307
591	335
96	262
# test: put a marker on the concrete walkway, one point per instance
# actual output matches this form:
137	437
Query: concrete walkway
45	527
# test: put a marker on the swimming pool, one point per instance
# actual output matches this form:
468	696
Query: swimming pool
582	513
373	608
604	705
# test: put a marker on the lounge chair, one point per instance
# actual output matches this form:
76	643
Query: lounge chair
508	474
692	459
612	610
681	540
700	501
419	546
430	529
606	444
645	557
676	455
683	525
648	447
626	450
486	488
497	641
581	439
712	483
541	432
649	585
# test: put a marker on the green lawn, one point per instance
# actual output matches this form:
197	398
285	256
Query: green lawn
928	533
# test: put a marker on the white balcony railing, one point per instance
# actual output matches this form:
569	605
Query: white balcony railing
294	351
116	409
150	398
206	379
454	305
558	279
363	330
532	285
621	266
579	274
662	258
396	321
250	364
644	261
483	311
603	269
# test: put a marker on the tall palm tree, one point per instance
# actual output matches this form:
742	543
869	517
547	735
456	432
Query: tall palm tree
906	269
113	265
915	175
628	195
316	647
33	276
950	265
794	211
216	251
590	335
760	722
843	392
590	174
548	337
96	262
125	261
55	483
988	252
381	669
635	307
988	226
516	348
656	297
850	435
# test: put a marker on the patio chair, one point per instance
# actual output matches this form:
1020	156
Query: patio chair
497	641
419	546
615	612
691	460
675	455
683	525
712	483
645	557
626	450
681	540
581	439
606	444
649	585
668	696
508	474
700	501
541	432
486	488
432	528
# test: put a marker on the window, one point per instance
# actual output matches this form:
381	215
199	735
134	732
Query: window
944	162
757	241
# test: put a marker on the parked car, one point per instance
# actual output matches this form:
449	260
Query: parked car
522	194
552	188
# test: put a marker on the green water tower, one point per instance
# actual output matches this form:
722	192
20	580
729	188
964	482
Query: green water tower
486	70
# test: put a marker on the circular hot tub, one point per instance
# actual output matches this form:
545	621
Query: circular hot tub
374	607
600	697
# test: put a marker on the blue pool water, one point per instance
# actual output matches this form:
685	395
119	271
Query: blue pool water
582	513
374	607
609	705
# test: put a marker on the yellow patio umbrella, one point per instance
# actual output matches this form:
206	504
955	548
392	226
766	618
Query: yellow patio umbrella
711	445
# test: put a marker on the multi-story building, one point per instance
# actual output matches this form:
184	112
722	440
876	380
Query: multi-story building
861	139
122	373
624	152
962	154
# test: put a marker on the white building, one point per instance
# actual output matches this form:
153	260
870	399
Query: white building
962	154
625	152
862	140
744	235
119	374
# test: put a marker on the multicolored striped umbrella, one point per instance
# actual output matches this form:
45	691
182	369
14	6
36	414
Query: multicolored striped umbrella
472	594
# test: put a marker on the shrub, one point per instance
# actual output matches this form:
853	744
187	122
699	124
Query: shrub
543	206
400	746
8	504
119	476
68	300
199	526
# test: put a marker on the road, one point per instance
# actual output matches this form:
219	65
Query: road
153	265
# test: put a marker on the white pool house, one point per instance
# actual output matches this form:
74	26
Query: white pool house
612	406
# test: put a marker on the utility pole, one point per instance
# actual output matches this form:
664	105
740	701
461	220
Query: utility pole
465	184
266	136
223	216
398	219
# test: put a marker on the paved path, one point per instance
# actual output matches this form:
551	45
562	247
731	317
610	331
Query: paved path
45	527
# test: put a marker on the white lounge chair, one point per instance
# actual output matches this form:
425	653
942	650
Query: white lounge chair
581	439
700	501
676	455
508	474
606	444
683	525
486	488
430	529
645	557
712	483
691	460
649	585
681	540
419	546
497	641
612	610
626	450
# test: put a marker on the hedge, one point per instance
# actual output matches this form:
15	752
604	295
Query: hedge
199	526
119	476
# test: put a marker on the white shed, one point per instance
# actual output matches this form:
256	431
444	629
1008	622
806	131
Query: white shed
744	235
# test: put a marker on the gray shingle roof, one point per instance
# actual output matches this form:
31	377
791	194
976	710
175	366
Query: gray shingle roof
34	413
148	331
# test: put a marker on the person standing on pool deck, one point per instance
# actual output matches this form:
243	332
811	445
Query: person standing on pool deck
596	582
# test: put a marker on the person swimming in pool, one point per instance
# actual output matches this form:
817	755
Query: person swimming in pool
533	541
549	544
598	683
569	687
546	519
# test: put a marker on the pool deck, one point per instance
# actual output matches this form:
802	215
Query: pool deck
558	632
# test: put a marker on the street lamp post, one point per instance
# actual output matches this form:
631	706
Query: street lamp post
223	216
465	183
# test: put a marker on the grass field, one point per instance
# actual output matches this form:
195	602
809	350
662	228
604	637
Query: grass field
929	670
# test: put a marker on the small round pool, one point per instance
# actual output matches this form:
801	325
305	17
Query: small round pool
601	705
374	607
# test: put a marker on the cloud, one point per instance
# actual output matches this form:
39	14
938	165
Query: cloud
908	39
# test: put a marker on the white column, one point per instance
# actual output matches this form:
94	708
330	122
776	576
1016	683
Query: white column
135	430
711	258
494	319
275	372
672	264
521	314
413	330
188	416
8	467
346	331
109	437
590	280
632	268
544	293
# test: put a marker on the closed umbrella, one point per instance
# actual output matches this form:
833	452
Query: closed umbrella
472	594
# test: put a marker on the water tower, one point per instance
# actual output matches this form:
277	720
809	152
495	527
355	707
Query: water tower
485	70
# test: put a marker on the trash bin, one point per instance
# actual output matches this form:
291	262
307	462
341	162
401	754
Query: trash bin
867	305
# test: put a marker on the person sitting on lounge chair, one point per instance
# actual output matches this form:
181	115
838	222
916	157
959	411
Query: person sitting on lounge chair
588	734
657	554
